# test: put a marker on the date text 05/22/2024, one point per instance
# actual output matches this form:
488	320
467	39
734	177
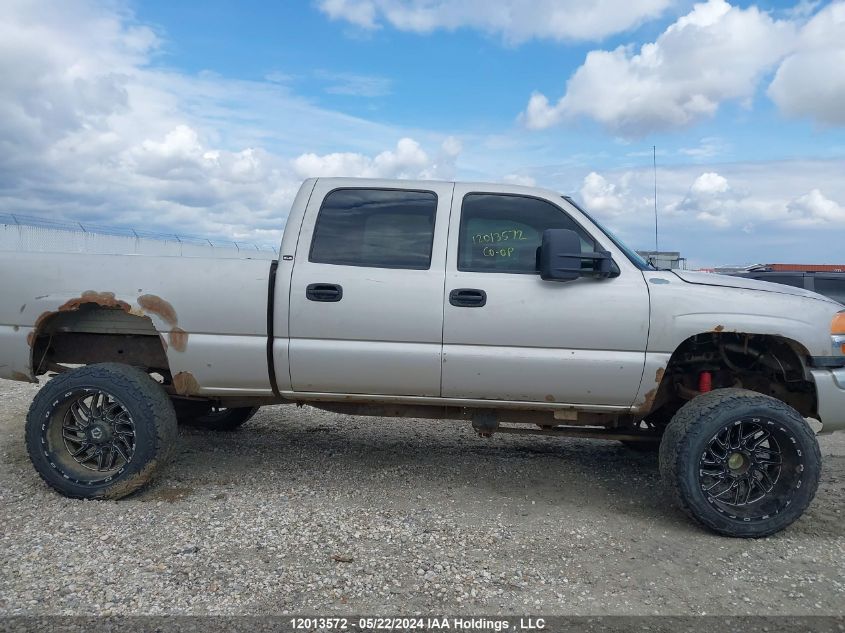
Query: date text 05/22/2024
434	623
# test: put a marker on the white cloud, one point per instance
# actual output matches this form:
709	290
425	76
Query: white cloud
709	183
777	195
601	196
89	130
811	82
515	20
742	213
815	208
715	53
452	146
518	179
407	160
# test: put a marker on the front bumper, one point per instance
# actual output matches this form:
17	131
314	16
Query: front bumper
830	393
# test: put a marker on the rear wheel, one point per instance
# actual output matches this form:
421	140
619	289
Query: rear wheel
100	431
215	418
740	463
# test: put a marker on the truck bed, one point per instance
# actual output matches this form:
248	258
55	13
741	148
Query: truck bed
211	313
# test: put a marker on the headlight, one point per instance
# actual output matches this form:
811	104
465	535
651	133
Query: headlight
837	333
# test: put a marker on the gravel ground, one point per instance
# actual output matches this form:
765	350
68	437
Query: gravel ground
307	511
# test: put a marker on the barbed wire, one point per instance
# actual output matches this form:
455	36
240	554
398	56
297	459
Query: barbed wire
19	219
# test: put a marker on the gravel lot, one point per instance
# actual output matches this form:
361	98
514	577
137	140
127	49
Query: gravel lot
306	511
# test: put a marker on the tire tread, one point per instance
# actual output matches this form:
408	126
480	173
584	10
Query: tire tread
676	447
138	392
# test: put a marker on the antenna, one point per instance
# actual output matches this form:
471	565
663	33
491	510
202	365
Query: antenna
654	162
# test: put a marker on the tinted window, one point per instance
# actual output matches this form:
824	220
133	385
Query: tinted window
501	233
833	287
375	227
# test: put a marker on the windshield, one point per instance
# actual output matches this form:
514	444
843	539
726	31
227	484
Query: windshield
635	258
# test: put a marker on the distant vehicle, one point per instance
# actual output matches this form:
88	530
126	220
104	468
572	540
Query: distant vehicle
508	307
829	284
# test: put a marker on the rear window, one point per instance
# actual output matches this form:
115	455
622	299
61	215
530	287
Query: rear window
377	228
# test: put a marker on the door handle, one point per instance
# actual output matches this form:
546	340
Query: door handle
468	297
324	292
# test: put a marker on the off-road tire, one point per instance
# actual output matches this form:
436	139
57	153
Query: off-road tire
215	419
690	436
143	400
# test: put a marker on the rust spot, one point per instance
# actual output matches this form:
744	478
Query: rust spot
648	402
651	396
185	384
160	307
178	339
164	309
30	338
550	398
718	328
102	299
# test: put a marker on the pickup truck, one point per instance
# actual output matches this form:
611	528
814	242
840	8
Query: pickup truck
508	307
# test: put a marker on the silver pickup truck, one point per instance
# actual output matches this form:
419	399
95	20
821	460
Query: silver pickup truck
508	307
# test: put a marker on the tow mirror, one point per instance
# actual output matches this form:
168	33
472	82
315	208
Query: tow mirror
559	257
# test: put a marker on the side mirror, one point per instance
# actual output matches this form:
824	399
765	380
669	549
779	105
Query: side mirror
559	257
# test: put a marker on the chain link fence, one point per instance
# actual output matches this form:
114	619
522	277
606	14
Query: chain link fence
31	233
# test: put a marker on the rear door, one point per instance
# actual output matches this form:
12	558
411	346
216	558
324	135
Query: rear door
366	304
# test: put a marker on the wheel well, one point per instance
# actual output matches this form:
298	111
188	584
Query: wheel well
95	334
768	364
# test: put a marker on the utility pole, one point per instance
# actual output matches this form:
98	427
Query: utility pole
654	163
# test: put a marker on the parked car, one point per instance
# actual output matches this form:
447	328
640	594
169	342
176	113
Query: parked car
825	283
505	306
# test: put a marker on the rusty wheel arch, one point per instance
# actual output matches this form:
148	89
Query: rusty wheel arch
95	328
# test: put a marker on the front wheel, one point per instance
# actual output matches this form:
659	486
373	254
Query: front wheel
100	431
741	463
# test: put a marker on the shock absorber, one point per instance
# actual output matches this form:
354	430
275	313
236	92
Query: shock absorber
705	382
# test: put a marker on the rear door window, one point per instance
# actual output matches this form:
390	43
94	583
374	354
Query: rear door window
377	228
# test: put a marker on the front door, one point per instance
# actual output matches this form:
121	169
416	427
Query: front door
508	335
366	304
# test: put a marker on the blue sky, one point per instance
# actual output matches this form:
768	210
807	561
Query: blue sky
203	117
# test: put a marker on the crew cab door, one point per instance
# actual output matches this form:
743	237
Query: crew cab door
366	293
509	335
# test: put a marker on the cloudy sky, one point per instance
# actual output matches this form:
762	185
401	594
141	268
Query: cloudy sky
202	117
